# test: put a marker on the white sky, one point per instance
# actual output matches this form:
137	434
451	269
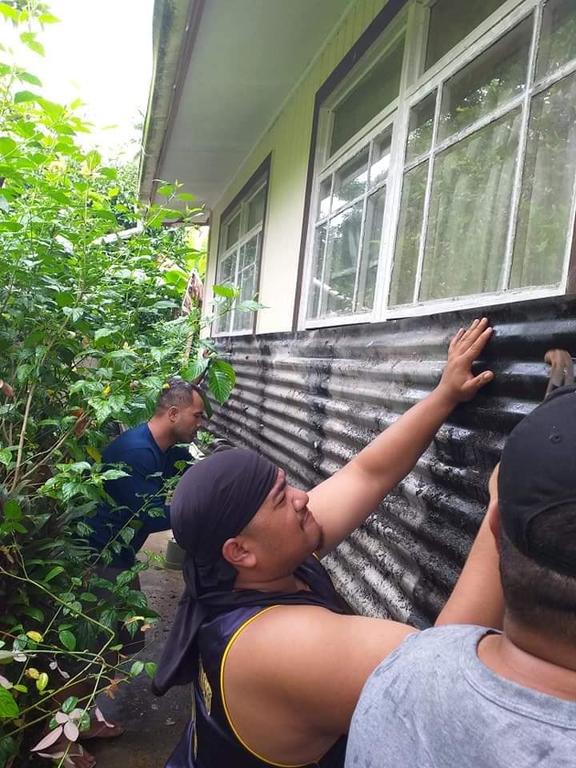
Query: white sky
101	52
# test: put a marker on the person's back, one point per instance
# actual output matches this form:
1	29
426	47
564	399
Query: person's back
434	704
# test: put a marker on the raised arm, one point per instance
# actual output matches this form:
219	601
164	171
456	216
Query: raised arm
477	597
342	503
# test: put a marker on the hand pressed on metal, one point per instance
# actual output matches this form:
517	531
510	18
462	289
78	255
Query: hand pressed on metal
458	382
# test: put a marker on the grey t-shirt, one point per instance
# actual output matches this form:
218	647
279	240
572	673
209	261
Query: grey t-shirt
433	704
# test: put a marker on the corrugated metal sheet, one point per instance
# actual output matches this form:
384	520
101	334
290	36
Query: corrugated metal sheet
311	400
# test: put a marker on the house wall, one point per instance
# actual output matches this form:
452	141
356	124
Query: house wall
288	139
311	400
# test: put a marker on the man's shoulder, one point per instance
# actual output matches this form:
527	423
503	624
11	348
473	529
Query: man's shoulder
135	440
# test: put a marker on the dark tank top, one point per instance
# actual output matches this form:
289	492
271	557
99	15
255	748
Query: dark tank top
209	740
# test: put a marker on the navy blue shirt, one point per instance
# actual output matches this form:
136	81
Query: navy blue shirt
136	494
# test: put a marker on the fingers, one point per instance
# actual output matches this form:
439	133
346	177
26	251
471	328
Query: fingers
473	385
478	345
474	331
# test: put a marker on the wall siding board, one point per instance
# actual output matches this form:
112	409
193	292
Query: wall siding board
312	400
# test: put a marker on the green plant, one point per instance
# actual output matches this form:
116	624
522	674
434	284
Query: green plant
91	288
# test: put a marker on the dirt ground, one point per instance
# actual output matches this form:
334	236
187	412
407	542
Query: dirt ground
153	725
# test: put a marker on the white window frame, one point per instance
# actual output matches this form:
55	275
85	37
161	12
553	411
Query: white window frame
414	86
246	235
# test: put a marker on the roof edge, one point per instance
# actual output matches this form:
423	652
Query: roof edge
175	23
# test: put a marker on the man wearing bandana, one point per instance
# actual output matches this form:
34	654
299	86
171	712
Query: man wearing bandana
276	659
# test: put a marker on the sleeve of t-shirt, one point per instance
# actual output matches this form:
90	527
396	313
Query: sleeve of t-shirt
139	492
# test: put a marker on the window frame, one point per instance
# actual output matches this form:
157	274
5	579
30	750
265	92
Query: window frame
240	207
415	85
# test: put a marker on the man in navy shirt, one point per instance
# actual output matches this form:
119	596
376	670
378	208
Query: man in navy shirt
151	454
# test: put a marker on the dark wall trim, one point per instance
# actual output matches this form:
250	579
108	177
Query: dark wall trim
366	39
262	172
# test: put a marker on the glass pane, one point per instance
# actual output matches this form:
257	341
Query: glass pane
420	127
256	208
227	269
470	212
232	231
350	181
408	237
558	40
380	159
544	223
488	82
249	253
324	201
341	261
378	88
244	321
317	269
370	251
451	21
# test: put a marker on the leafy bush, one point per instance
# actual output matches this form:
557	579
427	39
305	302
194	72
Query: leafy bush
91	328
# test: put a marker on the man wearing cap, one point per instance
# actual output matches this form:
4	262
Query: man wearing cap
459	696
276	659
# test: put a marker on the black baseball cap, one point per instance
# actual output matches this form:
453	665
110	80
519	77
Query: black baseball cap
538	473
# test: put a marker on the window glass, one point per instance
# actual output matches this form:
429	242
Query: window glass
420	127
256	208
558	37
451	21
378	88
470	212
351	179
341	262
544	223
232	231
380	163
324	201
408	235
366	287
317	270
488	82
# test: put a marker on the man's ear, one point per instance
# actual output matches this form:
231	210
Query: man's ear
173	413
235	552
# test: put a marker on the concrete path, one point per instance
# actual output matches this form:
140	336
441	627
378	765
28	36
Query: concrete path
153	725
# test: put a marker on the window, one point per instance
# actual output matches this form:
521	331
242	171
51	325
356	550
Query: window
239	255
460	187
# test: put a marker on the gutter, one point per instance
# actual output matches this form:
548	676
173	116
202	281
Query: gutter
175	27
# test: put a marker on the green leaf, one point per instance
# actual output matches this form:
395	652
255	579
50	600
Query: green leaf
52	573
195	368
67	639
20	97
29	39
7	145
8	705
136	668
48	18
28	77
228	291
221	380
42	681
101	333
250	306
12	510
127	534
5	456
8	12
166	190
70	704
150	668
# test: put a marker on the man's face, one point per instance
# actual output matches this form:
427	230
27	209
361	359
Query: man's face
284	529
186	420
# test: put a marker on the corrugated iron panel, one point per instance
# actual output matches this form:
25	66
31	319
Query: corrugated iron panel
310	401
